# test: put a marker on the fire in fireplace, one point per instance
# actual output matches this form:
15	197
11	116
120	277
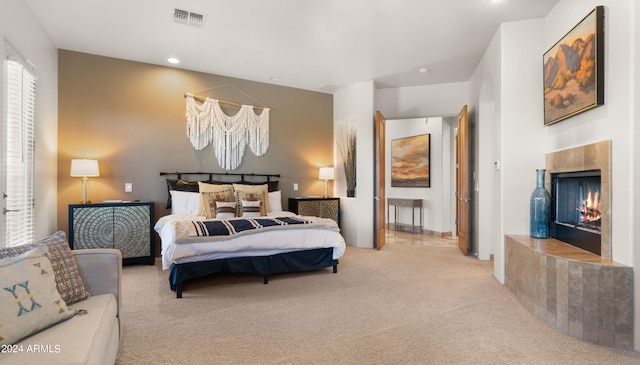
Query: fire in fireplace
576	212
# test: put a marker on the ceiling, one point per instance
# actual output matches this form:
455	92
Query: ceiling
318	45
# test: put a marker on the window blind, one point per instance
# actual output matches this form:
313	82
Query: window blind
19	163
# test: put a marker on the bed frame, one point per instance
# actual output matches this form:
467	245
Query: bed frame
295	261
225	175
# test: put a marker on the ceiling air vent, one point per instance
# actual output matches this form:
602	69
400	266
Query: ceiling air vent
197	20
181	16
188	18
329	88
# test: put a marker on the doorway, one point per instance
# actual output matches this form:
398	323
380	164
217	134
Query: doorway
438	200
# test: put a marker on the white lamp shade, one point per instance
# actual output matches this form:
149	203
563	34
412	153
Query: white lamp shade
326	173
82	168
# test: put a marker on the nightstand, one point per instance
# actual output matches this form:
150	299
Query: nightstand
316	206
125	226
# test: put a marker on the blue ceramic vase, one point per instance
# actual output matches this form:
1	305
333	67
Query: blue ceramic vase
540	208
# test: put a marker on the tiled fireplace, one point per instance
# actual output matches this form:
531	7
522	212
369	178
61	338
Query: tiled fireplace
578	292
589	158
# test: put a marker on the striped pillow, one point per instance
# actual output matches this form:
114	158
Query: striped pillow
225	210
251	208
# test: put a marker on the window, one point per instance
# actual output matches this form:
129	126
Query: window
18	154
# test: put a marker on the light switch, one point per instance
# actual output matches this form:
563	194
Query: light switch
128	187
295	186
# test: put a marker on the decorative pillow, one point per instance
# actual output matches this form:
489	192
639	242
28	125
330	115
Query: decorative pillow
29	300
243	195
251	208
275	201
67	276
210	199
225	190
180	185
271	185
255	189
184	202
225	210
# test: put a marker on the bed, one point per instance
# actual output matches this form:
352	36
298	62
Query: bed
262	240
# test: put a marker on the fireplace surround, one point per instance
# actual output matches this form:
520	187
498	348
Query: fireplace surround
592	157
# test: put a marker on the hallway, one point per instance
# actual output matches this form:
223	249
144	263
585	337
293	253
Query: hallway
421	239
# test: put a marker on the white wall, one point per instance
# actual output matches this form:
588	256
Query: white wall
440	100
615	119
520	130
20	28
635	166
436	198
355	103
485	118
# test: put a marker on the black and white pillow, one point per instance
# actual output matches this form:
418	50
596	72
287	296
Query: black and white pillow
251	208
225	210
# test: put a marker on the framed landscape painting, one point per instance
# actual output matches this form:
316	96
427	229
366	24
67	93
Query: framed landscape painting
573	70
410	161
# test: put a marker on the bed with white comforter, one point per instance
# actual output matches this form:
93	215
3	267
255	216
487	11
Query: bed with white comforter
264	250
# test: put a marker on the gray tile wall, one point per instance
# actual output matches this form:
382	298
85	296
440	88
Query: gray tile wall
589	301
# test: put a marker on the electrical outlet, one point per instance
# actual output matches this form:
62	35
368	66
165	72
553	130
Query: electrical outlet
295	187
128	187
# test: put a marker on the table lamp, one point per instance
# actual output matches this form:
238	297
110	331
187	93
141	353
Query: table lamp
326	174
84	168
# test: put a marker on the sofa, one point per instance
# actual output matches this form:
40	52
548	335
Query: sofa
91	330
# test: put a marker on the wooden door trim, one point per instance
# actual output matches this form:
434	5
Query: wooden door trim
379	181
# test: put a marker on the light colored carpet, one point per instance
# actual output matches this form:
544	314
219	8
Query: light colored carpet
406	304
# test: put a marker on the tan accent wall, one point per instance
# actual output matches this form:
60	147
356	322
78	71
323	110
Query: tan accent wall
130	116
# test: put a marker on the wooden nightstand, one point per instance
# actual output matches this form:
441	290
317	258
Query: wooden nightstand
125	226
316	206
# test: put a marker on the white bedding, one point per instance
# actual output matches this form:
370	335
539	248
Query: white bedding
263	243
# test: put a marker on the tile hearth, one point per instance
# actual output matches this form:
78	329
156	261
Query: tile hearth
585	295
573	290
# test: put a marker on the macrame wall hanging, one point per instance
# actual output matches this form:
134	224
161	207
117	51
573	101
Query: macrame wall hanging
229	134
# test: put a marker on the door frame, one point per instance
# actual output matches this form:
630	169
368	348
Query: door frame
379	181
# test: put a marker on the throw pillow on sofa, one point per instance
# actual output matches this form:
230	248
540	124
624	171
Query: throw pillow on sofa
29	299
68	279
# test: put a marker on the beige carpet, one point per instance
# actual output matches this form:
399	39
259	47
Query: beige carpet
407	304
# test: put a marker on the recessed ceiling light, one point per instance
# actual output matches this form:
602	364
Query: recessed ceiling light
423	70
173	60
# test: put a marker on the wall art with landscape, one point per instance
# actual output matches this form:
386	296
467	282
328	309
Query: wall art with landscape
573	70
410	161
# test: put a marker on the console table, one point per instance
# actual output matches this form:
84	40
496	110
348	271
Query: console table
405	203
125	226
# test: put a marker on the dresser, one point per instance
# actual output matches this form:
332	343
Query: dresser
125	226
399	204
317	207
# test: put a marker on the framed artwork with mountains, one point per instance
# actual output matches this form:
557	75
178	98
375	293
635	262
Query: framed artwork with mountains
574	70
